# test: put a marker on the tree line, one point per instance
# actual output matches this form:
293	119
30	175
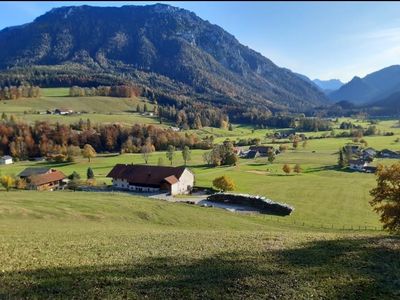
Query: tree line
123	91
24	141
17	92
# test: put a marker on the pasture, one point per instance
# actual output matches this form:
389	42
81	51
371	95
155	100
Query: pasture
81	245
113	245
97	109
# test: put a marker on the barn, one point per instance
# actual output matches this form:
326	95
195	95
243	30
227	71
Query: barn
147	178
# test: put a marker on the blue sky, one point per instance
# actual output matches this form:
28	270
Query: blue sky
319	39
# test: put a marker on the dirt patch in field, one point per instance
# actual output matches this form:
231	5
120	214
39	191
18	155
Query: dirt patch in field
258	172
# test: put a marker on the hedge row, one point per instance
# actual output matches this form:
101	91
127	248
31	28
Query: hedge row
265	205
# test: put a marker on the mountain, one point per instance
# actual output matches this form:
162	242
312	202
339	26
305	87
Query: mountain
305	78
373	87
328	86
163	48
386	106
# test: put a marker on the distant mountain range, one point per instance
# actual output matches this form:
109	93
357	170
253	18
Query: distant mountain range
375	87
163	48
328	86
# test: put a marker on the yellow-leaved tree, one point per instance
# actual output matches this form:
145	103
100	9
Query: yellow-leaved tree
386	196
7	182
224	183
88	152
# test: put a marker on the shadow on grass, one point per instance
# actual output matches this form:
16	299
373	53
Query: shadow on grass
258	164
54	165
281	175
322	168
362	268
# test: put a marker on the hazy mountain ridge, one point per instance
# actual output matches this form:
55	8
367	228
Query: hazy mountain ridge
180	52
373	87
328	86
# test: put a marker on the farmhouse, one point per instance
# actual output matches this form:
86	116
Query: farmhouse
42	178
252	154
386	153
6	160
61	111
357	164
369	154
143	178
262	150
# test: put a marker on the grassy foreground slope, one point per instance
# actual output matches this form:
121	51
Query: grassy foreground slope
85	245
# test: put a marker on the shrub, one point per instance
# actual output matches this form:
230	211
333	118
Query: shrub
224	183
287	169
297	169
21	184
7	182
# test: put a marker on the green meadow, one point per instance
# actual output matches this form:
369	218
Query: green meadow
114	245
81	245
97	109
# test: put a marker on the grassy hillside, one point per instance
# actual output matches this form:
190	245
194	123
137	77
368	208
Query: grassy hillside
98	109
71	244
322	195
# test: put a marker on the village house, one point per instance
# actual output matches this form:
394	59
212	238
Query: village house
42	178
251	154
369	154
357	164
237	150
6	160
62	111
144	178
386	153
262	150
176	129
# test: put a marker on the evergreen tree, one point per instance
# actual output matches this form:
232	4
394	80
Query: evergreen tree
89	173
341	161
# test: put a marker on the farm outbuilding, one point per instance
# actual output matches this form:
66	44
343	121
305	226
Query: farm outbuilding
6	160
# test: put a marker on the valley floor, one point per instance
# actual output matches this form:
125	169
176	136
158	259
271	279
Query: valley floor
113	245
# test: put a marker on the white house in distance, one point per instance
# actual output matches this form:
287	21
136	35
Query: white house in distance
6	160
357	164
144	178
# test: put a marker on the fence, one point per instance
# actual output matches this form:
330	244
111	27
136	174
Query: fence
343	227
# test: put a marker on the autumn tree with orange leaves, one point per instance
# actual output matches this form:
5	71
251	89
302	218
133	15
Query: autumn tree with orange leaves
386	196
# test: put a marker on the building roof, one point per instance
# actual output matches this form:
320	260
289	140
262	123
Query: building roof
357	161
146	175
263	149
171	179
252	154
369	151
33	171
370	168
389	151
41	179
5	157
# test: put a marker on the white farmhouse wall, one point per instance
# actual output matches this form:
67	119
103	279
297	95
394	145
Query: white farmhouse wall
124	184
6	161
185	183
357	167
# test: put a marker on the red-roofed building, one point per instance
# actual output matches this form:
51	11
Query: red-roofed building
144	178
49	179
